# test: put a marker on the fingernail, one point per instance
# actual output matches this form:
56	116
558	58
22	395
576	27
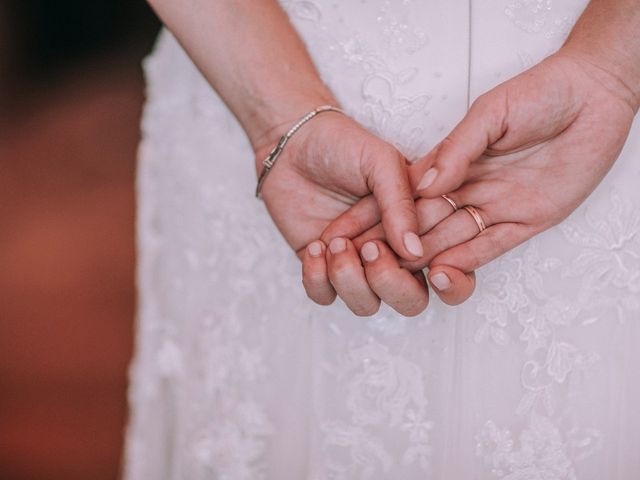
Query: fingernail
413	244
440	281
428	178
314	249
338	245
369	251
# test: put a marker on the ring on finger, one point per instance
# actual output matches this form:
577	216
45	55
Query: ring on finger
451	202
476	216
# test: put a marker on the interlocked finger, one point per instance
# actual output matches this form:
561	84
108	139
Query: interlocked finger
480	250
431	211
405	292
347	276
315	276
455	229
452	285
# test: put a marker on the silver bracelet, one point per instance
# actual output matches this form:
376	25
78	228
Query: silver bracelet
271	159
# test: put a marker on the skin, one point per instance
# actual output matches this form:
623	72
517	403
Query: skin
247	50
320	174
515	143
542	140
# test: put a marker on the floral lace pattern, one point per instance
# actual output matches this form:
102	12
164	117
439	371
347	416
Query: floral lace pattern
608	265
515	299
541	454
383	391
238	376
540	16
525	312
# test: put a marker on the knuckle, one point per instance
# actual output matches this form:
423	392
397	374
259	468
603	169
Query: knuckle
416	306
452	159
476	259
482	103
389	154
459	293
446	143
427	216
318	288
342	271
383	278
403	207
324	299
388	163
435	242
366	310
497	243
406	205
313	278
491	105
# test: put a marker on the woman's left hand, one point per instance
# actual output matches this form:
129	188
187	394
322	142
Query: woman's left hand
525	156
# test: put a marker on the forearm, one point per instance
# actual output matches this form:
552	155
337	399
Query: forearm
251	55
608	35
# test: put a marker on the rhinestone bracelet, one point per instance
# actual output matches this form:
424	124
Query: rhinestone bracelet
271	159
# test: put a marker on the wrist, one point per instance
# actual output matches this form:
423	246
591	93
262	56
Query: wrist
272	115
605	40
611	72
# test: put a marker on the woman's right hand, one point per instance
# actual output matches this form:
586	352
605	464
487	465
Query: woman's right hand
325	168
252	56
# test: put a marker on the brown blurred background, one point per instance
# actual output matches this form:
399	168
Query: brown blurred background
71	92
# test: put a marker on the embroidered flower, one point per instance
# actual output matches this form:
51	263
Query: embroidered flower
383	387
501	295
609	248
542	454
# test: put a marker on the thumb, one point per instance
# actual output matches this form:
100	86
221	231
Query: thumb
444	169
388	180
453	286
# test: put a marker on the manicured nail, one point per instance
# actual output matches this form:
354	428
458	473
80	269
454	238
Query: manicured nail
440	281
428	178
315	249
338	245
413	244
369	252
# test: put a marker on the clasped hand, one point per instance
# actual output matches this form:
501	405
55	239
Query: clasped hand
525	156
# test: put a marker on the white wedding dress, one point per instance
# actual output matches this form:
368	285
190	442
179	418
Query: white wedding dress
239	376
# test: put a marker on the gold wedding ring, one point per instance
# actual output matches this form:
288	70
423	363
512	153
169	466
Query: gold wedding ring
476	216
451	202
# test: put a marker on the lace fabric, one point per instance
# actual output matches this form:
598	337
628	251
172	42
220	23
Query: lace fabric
238	375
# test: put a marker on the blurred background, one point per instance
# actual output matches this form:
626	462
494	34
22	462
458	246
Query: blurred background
71	93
